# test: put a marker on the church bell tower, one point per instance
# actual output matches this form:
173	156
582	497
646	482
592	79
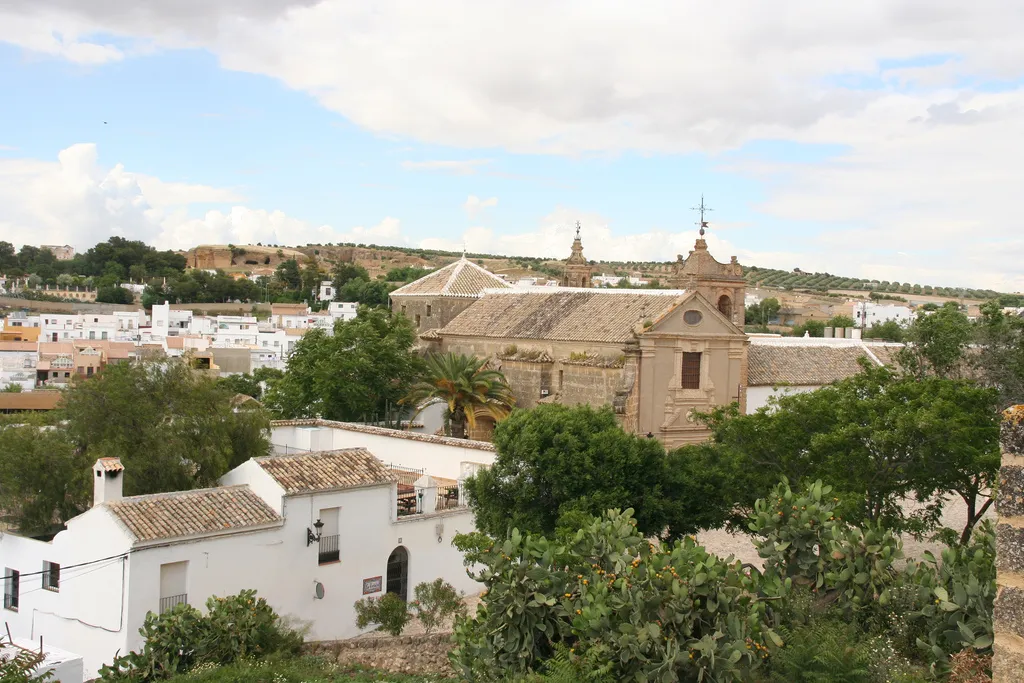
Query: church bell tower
576	273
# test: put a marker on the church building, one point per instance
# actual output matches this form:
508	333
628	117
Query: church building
656	356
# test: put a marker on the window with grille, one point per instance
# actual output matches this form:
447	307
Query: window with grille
428	310
691	370
12	588
51	576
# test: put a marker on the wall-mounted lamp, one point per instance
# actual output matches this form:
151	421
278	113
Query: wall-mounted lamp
650	435
310	536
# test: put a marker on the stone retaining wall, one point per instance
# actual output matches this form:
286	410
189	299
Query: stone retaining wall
1008	660
423	654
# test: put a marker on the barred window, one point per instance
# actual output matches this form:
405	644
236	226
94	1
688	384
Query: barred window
51	576
691	370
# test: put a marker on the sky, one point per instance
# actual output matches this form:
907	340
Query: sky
878	139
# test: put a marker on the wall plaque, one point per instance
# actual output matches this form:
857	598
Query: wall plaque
372	585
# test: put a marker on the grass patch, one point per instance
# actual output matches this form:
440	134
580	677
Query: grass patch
307	669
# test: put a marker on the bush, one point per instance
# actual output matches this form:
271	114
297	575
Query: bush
389	612
22	668
436	603
181	638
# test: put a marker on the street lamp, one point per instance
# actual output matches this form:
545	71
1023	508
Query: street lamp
310	536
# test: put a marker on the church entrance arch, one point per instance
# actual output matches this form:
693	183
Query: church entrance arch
398	573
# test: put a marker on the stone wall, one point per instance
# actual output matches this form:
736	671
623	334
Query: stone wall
421	654
1008	660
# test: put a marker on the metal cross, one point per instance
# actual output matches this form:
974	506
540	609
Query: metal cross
577	229
703	209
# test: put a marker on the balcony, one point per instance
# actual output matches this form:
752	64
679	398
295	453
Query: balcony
171	601
328	550
11	601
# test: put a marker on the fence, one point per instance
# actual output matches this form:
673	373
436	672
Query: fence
329	551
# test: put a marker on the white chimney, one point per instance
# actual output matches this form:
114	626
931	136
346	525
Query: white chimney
107	481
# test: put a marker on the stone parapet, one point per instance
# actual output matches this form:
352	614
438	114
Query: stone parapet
1008	659
419	654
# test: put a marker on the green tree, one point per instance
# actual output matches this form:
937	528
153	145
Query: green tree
890	330
840	321
45	478
173	428
468	388
557	465
936	343
346	272
114	294
999	362
876	437
287	273
374	293
813	328
357	374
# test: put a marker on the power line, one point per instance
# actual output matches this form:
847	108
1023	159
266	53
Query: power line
72	566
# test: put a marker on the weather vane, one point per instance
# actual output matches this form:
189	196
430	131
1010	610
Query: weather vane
577	229
703	209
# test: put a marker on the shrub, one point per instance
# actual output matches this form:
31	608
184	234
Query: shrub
437	602
389	612
181	638
22	668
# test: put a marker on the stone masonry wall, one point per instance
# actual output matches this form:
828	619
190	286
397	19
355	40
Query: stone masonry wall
421	654
1008	660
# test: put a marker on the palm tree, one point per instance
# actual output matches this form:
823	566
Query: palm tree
470	389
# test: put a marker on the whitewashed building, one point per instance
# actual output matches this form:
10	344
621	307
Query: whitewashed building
867	313
18	360
311	531
326	292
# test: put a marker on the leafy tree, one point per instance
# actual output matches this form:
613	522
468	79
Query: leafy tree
114	294
890	330
346	272
813	328
373	293
406	274
467	386
287	273
173	428
558	465
840	321
251	384
357	374
45	478
999	362
937	343
12	388
876	437
311	278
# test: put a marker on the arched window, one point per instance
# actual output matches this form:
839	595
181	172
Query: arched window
398	573
725	306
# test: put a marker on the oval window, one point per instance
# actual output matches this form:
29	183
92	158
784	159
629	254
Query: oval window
692	317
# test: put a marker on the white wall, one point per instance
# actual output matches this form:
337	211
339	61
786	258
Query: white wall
438	456
18	367
757	397
89	615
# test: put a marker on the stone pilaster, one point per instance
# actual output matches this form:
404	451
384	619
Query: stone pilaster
1008	660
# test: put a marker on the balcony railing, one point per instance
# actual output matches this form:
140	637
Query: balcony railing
11	602
447	497
171	601
329	549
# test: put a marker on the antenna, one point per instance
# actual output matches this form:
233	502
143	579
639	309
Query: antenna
703	209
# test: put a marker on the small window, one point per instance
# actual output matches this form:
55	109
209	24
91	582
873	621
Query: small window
428	310
692	317
561	378
403	310
51	576
417	320
12	588
691	370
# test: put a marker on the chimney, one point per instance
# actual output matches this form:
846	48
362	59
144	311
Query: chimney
108	480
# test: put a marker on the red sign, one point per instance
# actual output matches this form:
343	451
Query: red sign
372	585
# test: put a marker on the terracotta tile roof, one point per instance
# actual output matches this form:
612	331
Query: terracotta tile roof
768	365
391	433
288	309
175	342
110	464
30	400
462	278
18	346
325	470
191	513
561	314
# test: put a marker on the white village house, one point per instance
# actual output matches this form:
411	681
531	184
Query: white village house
312	531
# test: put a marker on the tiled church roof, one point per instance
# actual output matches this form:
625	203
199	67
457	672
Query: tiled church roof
460	279
561	314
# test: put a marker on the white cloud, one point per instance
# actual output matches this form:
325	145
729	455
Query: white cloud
77	201
459	167
474	205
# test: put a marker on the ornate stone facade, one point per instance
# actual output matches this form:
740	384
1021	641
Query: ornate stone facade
577	272
720	283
